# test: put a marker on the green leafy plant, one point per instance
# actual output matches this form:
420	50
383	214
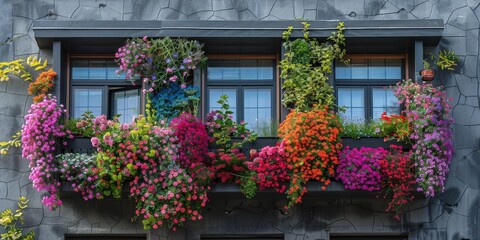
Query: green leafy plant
357	130
20	67
9	220
222	128
306	68
82	126
447	60
15	142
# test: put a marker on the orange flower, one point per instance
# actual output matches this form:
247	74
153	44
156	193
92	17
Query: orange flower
42	85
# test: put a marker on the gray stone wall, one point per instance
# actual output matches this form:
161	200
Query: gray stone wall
454	214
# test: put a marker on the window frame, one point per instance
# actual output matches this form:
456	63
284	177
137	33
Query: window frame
370	84
241	85
104	84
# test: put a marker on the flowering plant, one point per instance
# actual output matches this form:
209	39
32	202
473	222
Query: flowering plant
311	144
192	138
160	62
167	196
394	127
359	169
81	172
134	59
222	128
398	179
42	85
40	134
82	126
428	113
270	167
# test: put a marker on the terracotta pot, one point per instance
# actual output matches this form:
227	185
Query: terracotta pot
427	74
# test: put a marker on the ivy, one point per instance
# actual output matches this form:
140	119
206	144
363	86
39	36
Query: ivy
306	67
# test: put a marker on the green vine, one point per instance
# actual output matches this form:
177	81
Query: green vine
306	67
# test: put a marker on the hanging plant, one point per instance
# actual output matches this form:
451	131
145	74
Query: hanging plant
428	113
160	62
306	67
41	133
311	144
173	100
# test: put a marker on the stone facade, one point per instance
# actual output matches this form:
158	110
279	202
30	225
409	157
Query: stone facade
454	214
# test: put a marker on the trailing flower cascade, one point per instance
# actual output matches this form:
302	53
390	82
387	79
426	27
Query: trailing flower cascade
311	144
42	85
428	112
41	133
359	169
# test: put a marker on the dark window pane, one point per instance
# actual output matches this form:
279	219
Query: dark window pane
352	99
394	69
214	95
376	69
126	104
87	99
383	100
251	69
258	110
359	68
95	69
80	69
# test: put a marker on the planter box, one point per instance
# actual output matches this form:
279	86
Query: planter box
78	145
372	142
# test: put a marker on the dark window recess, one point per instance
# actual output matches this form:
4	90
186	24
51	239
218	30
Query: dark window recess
105	237
97	88
250	87
242	236
363	87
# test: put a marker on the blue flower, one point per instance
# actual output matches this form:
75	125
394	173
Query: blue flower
168	60
175	54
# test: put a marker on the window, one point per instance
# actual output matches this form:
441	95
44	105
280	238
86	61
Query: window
368	237
97	88
105	237
250	87
242	236
362	87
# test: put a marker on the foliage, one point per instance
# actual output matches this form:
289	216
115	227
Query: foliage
306	68
9	221
160	62
173	100
82	126
193	140
357	130
395	127
311	144
81	172
398	179
40	134
270	167
428	113
15	142
20	67
447	60
222	128
359	169
42	85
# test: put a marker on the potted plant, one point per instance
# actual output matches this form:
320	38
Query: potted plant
427	72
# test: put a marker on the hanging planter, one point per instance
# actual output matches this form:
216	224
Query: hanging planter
427	74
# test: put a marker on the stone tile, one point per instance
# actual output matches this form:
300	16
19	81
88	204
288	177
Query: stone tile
230	14
13	190
6	132
468	86
3	190
33	9
472	42
222	5
454	188
6	54
205	15
408	5
21	25
240	5
423	10
468	167
325	12
13	105
464	18
87	13
452	31
310	14
458	227
372	7
35	217
246	16
298	8
110	14
283	9
179	5
260	8
170	14
195	6
34	197
66	7
470	66
25	45
115	5
9	175
144	9
348	6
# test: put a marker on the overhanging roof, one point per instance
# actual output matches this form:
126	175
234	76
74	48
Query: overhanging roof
47	31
